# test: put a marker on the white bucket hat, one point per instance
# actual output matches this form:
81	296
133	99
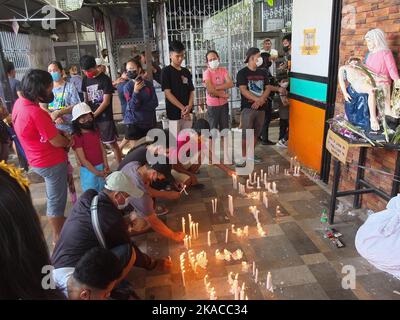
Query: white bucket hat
119	182
79	110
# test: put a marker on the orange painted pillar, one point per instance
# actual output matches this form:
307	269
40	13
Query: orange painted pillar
306	133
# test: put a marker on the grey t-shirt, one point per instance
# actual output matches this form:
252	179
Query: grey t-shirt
144	206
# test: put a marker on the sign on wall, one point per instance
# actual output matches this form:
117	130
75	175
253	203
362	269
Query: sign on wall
311	37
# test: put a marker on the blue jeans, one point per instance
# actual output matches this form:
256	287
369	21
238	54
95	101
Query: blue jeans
90	181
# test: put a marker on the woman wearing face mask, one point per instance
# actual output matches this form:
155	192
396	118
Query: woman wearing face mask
140	114
43	144
89	149
65	97
217	81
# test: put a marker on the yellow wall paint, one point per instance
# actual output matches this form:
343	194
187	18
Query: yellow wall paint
306	133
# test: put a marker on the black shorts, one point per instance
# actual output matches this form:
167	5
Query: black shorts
108	131
134	132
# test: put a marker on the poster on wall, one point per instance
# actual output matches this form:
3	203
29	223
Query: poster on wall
311	37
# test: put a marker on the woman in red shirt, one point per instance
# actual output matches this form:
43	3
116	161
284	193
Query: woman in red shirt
44	146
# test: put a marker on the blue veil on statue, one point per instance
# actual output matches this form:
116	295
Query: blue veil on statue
357	110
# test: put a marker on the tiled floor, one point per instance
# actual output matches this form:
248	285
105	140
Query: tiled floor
303	264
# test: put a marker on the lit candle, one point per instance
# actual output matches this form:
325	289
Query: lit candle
233	228
237	291
291	163
190	241
249	178
255	177
265	177
246	231
209	238
254	268
242	292
206	279
234	181
230	278
191	229
197	230
226	235
256	278
213	295
183	225
269	285
230	204
190	218
258	183
274	187
262	174
244	266
183	278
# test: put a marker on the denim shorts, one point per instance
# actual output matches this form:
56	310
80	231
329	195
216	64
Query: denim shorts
90	181
56	182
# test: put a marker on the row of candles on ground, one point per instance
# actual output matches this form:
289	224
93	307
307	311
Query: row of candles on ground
294	167
245	268
195	261
228	256
193	231
214	204
237	290
255	213
272	170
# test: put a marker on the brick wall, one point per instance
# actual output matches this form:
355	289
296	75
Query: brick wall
369	14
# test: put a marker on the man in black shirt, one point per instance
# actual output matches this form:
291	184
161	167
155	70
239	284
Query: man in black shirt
176	82
98	90
254	89
79	236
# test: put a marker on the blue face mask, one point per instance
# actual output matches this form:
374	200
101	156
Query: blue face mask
56	76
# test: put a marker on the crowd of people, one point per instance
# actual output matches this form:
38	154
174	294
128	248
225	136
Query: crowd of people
53	118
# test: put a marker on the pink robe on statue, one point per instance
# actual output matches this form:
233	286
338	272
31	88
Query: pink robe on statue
383	64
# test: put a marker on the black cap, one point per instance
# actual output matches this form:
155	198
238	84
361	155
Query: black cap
251	52
164	169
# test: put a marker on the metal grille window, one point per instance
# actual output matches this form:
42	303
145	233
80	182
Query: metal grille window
276	17
222	25
26	51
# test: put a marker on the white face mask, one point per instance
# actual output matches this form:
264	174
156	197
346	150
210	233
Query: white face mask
214	64
123	206
284	84
259	62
